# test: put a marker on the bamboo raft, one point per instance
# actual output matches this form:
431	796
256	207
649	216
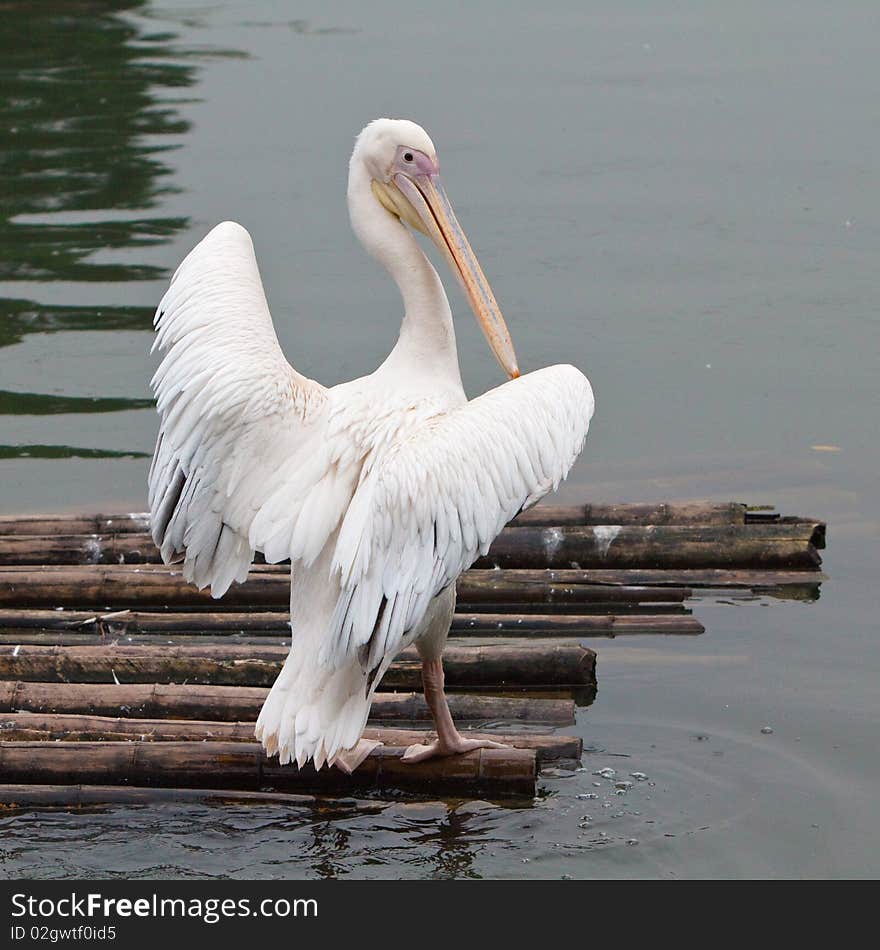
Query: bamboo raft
120	682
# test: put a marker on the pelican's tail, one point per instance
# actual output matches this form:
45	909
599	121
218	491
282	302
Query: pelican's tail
317	714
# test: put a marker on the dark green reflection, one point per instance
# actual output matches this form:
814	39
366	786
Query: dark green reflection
43	404
64	452
20	317
82	91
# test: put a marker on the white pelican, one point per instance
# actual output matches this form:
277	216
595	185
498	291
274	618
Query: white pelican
382	490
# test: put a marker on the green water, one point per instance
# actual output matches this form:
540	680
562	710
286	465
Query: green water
681	199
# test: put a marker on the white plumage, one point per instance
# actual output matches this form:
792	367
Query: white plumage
381	491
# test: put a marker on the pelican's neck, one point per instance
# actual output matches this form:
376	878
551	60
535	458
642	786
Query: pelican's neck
427	336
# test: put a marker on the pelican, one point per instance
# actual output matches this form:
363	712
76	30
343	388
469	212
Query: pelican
380	491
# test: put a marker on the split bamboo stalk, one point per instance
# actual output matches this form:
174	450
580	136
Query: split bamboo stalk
515	664
233	703
686	512
112	587
777	545
489	773
32	727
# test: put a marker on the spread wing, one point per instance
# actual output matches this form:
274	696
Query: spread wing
238	457
439	498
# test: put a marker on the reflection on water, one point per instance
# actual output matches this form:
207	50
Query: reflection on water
81	140
89	120
20	317
64	452
40	404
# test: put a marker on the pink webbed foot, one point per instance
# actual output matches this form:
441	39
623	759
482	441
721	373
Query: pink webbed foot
455	746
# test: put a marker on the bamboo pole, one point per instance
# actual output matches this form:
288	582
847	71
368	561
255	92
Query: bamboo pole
74	523
576	625
115	586
477	589
233	703
662	546
516	664
30	727
777	545
139	622
88	796
132	623
686	512
491	773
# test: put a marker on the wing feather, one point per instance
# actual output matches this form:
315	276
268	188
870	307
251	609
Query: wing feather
437	500
235	419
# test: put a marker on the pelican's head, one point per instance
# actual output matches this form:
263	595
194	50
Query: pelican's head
402	163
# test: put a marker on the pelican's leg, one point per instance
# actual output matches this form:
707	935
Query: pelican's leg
449	740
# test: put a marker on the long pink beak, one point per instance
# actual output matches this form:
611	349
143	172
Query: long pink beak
427	197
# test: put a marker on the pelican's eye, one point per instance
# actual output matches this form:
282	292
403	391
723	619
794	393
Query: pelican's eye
410	161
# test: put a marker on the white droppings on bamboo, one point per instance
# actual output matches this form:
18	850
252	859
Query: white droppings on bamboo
605	535
552	539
